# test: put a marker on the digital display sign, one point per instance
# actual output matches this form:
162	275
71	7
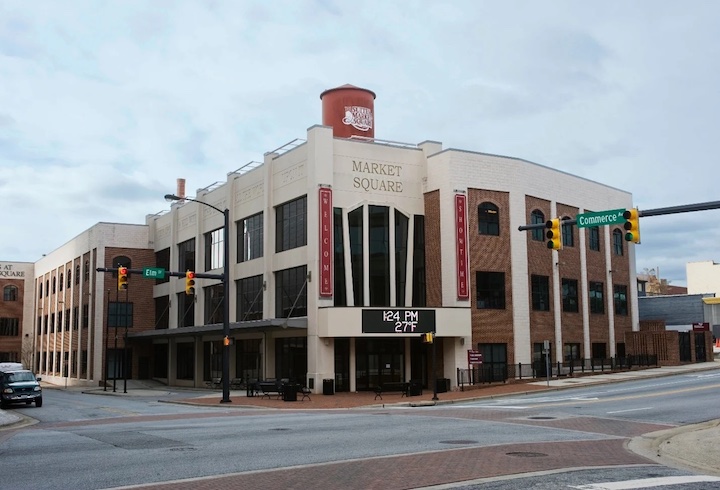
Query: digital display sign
394	320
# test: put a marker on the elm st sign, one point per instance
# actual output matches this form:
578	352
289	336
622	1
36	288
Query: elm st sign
601	218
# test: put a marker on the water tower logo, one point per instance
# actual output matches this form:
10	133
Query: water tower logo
360	118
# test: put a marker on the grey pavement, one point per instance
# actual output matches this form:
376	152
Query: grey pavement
692	447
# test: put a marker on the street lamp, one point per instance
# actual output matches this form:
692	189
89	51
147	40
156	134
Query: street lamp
226	293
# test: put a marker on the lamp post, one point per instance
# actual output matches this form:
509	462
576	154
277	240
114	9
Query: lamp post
226	293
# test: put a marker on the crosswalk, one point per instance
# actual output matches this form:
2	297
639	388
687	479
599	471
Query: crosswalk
651	482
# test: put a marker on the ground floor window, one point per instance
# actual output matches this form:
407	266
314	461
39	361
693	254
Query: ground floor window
599	350
494	366
248	361
291	359
185	363
160	360
212	359
379	361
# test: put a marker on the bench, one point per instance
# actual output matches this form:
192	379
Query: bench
305	393
269	388
214	383
392	387
236	383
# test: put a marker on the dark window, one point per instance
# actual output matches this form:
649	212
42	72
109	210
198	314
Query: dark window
618	242
214	249
120	314
490	290
77	274
379	247
86	272
291	358
291	292
291	224
537	217
186	310
540	293
185	364
419	293
250	298
9	327
568	234
339	288
69	278
186	255
61	281
76	317
597	302
250	238
40	290
401	247
214	304
594	238
85	316
10	293
620	300
160	360
123	261
355	225
488	219
570	295
599	350
162	260
571	352
54	283
162	312
212	359
248	360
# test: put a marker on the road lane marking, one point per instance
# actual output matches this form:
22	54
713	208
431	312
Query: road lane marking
648	482
631	410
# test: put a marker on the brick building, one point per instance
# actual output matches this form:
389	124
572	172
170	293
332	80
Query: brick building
344	248
16	311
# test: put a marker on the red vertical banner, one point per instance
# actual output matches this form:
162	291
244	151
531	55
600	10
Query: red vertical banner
461	246
326	238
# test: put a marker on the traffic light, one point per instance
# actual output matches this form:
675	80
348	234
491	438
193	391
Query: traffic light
632	225
189	282
554	234
122	278
427	338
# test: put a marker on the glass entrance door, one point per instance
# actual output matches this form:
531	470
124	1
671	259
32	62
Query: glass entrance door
379	361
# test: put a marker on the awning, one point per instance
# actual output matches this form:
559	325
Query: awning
711	301
217	328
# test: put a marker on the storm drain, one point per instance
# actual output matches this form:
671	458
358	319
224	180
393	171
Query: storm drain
460	441
280	428
540	417
526	454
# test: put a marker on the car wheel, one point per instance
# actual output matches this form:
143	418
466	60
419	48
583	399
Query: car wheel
38	402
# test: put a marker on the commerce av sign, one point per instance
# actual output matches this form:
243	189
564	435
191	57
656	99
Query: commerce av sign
601	218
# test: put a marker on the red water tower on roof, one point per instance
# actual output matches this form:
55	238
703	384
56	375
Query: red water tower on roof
350	110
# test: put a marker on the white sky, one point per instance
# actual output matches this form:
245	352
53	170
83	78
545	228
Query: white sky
103	105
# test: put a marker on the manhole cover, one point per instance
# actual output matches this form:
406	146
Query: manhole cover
526	454
541	418
461	441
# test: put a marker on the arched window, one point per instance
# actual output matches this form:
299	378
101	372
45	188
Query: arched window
118	261
54	285
10	293
488	219
617	242
69	278
568	234
61	281
77	274
47	287
537	217
86	272
40	291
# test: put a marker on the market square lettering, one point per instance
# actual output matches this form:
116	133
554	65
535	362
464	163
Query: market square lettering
378	183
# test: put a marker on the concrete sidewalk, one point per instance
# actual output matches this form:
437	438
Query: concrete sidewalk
694	446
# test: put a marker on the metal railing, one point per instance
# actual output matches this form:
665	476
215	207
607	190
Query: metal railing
496	373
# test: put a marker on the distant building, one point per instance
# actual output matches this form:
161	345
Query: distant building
16	311
703	277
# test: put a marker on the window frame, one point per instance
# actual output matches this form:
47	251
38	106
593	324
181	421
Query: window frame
570	297
490	290
488	219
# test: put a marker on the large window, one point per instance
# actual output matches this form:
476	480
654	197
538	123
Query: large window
355	225
618	239
291	292
540	293
488	219
401	246
568	233
186	255
162	312
291	226
379	245
419	293
214	311
339	287
214	249
620	300
9	327
490	290
594	238
186	310
10	293
570	295
162	260
250	298
250	238
537	217
597	301
120	314
185	363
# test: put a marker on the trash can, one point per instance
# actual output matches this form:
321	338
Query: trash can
290	392
328	386
415	387
443	385
251	388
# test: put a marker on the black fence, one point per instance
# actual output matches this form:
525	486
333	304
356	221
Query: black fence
495	373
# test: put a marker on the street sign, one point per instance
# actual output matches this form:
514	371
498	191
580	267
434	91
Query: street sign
600	218
474	357
153	273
